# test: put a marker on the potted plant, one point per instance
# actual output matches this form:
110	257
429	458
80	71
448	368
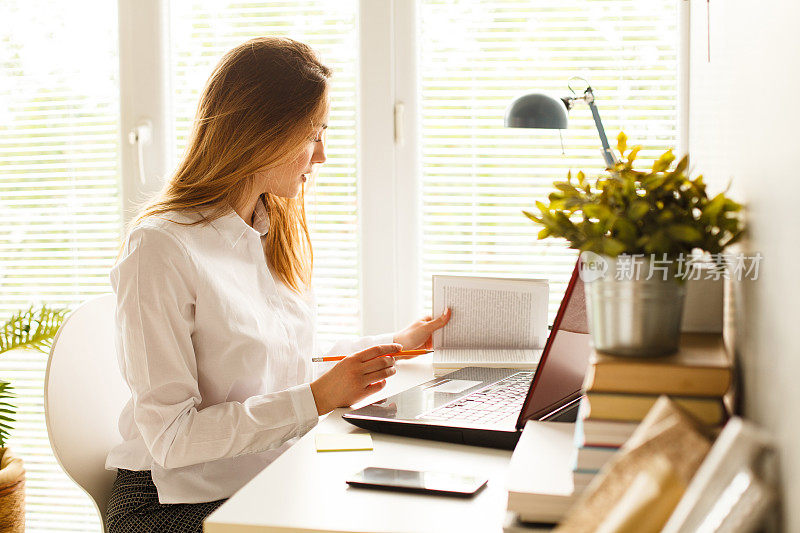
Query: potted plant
639	232
33	328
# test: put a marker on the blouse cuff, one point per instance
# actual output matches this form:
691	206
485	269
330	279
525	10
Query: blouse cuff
384	338
305	408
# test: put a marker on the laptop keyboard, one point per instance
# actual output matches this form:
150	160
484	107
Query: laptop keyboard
491	404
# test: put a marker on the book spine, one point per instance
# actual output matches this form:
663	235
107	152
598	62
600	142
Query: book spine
652	379
606	433
593	457
634	407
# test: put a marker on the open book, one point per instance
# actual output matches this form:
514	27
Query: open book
496	322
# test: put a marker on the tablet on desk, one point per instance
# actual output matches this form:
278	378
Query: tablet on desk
415	481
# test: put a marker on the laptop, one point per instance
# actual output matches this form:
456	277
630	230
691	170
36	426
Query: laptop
489	406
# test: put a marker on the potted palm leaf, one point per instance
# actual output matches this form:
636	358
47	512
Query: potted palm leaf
630	224
33	329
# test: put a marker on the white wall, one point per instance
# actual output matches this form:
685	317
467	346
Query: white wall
744	124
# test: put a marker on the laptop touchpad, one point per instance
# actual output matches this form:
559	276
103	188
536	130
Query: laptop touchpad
454	386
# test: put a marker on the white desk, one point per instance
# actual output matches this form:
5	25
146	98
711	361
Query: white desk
304	490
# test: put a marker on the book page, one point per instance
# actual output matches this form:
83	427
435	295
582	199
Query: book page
458	356
491	312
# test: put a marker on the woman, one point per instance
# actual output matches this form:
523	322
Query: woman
215	317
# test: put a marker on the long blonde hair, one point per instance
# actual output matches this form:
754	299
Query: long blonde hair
262	103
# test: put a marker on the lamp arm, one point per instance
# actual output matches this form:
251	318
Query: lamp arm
588	97
608	155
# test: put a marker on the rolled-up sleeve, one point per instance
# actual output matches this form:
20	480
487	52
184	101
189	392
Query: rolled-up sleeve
349	346
155	282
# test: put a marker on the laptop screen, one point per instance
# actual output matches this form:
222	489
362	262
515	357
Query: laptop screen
565	358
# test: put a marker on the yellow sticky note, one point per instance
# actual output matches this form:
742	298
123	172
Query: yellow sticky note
343	442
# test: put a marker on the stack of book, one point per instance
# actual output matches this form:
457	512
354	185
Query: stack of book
619	391
539	479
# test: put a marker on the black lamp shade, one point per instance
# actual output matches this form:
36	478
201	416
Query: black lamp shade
537	110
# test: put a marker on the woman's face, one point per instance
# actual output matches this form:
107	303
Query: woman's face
287	180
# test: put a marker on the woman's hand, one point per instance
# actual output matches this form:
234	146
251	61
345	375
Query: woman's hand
354	378
418	334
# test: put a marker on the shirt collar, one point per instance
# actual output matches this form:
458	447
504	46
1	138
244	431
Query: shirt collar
233	228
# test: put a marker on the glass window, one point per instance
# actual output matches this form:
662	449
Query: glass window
202	31
478	176
60	209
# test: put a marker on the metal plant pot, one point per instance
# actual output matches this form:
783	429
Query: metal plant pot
636	317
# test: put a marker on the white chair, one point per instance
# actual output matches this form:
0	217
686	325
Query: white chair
83	395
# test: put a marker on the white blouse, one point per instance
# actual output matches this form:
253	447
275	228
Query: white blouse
217	353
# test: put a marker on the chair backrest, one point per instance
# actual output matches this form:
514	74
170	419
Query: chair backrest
84	393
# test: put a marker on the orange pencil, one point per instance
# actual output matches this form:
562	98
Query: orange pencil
395	354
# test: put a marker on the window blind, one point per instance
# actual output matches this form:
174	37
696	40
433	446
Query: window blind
202	31
478	176
60	211
60	219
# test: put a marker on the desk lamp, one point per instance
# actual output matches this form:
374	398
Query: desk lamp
537	110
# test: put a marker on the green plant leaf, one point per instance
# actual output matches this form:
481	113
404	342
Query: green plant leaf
532	217
33	328
653	181
597	211
654	211
612	247
730	205
563	220
565	187
638	209
664	217
699	185
626	230
6	421
713	209
633	153
684	232
542	207
681	166
662	163
622	143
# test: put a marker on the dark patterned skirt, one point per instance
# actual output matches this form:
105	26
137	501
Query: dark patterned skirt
133	507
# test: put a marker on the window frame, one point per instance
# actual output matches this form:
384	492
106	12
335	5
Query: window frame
144	98
389	198
388	140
